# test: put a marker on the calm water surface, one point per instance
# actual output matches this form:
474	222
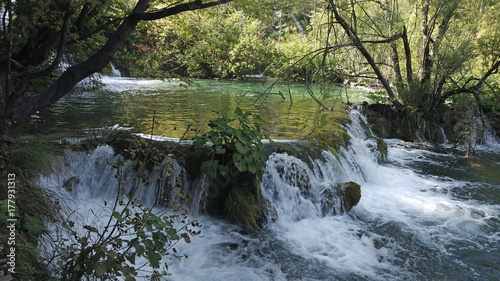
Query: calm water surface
129	103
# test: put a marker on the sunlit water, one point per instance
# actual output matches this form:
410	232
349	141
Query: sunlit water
176	107
427	214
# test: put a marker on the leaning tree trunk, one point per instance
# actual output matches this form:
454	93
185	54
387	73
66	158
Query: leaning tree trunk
361	48
19	107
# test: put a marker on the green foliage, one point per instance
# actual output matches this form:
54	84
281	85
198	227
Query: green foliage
132	233
417	95
237	163
379	97
216	43
383	149
28	159
244	206
34	205
242	144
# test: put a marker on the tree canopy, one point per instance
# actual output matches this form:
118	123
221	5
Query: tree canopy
422	53
37	34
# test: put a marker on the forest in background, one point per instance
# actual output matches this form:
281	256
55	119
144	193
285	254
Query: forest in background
427	58
421	54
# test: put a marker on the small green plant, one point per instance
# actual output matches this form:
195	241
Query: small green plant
236	166
33	205
133	237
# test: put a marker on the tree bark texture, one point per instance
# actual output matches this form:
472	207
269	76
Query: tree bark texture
361	48
20	108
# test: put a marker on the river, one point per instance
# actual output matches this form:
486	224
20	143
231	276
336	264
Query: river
429	213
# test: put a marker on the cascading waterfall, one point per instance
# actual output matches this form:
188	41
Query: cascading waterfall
417	218
301	189
114	71
86	176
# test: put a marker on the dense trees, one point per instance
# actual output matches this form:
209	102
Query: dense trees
36	35
423	53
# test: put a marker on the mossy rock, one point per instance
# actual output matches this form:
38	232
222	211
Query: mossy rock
340	198
350	193
270	212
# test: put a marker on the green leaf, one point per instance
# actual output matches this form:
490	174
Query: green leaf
159	239
199	140
139	249
252	168
238	111
221	125
131	257
90	228
223	170
243	118
240	148
117	216
243	137
218	141
172	233
210	168
220	150
241	163
149	244
212	135
154	259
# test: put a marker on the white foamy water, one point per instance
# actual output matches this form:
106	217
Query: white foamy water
407	226
417	218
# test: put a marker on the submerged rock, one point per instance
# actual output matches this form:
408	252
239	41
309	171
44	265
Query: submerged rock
350	193
340	198
70	183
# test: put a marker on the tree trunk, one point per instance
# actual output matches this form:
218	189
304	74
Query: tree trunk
361	48
426	41
20	111
21	108
409	70
395	66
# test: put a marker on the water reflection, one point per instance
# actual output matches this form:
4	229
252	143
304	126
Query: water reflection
176	107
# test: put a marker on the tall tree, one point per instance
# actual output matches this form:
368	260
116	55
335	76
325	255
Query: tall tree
37	33
441	49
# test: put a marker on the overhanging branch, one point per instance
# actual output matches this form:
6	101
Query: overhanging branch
169	11
20	108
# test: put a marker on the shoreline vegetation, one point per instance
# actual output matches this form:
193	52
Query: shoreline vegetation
436	65
30	158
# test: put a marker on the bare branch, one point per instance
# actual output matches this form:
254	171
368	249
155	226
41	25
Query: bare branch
359	45
169	11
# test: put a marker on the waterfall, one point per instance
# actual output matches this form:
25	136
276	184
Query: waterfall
114	72
295	187
300	28
309	188
87	176
422	216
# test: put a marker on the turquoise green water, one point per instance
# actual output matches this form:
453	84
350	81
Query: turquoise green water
177	107
424	215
